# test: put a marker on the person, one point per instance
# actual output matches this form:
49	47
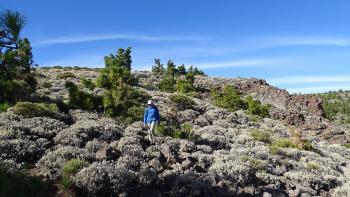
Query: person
151	118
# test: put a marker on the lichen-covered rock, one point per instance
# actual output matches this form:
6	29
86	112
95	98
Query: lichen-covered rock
86	130
50	165
104	179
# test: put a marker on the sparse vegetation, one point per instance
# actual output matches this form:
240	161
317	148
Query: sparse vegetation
46	84
262	136
337	106
256	108
182	101
88	83
281	143
255	163
228	98
29	110
4	106
79	99
70	168
66	75
312	166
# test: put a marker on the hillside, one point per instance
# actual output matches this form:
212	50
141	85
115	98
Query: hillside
296	151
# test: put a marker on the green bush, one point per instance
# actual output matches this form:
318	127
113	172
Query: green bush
256	108
46	84
255	163
88	83
347	145
65	75
261	136
228	98
184	86
4	106
79	99
29	110
70	168
164	129
158	67
167	85
312	166
17	183
306	145
182	101
281	143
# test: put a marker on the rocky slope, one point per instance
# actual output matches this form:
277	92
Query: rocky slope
223	159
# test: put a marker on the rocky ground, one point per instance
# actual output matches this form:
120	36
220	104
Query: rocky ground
222	159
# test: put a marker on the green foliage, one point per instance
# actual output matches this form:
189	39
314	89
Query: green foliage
171	81
184	86
70	168
46	84
262	136
306	145
228	98
255	163
158	67
66	75
18	184
312	166
184	132
4	106
337	106
167	85
29	110
281	143
88	83
256	108
79	99
347	145
181	70
17	79
121	99
182	101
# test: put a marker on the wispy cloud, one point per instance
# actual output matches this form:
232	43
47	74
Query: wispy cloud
103	37
318	89
236	63
277	41
308	79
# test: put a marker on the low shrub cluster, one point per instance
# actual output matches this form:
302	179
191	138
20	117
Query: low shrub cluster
281	143
181	101
176	78
29	109
65	75
79	99
4	106
229	98
88	83
175	131
312	166
262	136
70	168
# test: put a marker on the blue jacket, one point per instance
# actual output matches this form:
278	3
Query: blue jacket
151	114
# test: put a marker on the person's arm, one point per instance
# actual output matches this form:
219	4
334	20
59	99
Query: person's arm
145	116
158	116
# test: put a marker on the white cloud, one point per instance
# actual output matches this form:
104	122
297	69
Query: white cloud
238	63
277	41
103	37
308	79
318	89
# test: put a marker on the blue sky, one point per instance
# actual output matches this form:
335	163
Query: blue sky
302	46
